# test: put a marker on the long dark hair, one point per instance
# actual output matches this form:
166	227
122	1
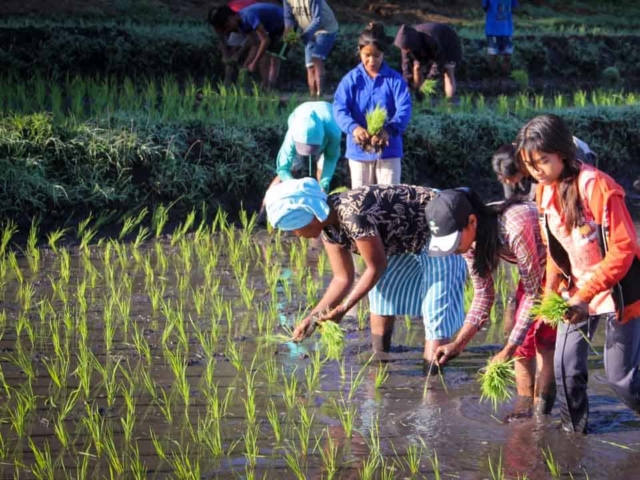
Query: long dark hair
548	133
504	161
373	34
487	254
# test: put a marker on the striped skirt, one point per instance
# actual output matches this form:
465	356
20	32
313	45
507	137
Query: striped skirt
419	285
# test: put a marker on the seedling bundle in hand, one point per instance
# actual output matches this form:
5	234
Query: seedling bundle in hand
375	119
551	309
428	87
291	38
497	380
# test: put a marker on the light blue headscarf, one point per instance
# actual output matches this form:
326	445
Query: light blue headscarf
293	204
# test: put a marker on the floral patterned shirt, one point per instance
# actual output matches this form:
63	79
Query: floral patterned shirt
395	212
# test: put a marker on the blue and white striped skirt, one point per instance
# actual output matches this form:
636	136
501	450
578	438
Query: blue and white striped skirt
419	285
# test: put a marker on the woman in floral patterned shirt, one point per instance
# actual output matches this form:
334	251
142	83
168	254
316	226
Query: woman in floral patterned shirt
386	225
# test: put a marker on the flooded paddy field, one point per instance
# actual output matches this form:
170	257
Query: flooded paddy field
156	358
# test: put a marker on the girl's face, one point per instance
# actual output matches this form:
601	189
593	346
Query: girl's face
546	168
468	235
371	59
312	230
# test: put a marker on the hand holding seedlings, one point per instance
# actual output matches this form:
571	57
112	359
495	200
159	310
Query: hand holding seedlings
578	310
361	136
380	141
304	329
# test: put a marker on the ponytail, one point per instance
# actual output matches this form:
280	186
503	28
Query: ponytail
374	34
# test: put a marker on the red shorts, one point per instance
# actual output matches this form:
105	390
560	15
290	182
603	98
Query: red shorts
539	336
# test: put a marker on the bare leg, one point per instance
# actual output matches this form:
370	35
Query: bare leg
263	68
319	174
311	81
545	388
525	376
450	82
381	332
506	64
318	67
274	71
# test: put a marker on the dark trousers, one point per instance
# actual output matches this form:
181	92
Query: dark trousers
621	363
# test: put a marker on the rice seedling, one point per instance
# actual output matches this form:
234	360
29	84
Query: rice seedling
347	412
95	426
559	101
58	370
15	267
44	466
329	452
382	374
292	459
164	404
115	457
290	389
356	382
369	467
580	99
252	451
270	369
435	466
185	466
24	404
496	471
303	429
497	380
502	106
8	231
274	420
137	469
552	464
234	354
22	360
413	456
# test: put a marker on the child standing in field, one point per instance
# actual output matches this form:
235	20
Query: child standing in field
499	31
373	84
262	20
319	29
591	240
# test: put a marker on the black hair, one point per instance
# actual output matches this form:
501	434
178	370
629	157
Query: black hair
548	133
487	255
218	17
505	162
373	34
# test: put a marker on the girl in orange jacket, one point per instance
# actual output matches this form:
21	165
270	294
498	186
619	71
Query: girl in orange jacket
592	244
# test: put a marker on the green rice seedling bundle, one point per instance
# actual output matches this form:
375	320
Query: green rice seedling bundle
497	380
291	38
332	339
376	119
551	308
428	87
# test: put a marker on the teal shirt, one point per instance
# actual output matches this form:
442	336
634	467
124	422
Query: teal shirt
311	123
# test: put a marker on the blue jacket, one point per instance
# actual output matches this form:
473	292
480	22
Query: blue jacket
311	123
499	19
358	93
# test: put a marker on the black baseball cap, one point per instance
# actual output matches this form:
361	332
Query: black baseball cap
447	214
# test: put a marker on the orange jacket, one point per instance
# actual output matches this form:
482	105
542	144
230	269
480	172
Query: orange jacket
619	269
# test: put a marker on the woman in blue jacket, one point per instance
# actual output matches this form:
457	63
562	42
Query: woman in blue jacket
373	83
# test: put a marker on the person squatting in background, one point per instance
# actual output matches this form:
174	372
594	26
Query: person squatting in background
386	225
591	240
461	223
262	20
373	84
319	28
499	31
428	51
513	175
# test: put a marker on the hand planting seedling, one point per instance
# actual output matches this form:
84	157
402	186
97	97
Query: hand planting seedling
497	380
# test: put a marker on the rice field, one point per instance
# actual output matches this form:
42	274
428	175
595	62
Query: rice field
148	355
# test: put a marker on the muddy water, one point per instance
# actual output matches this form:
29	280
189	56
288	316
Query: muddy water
445	414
